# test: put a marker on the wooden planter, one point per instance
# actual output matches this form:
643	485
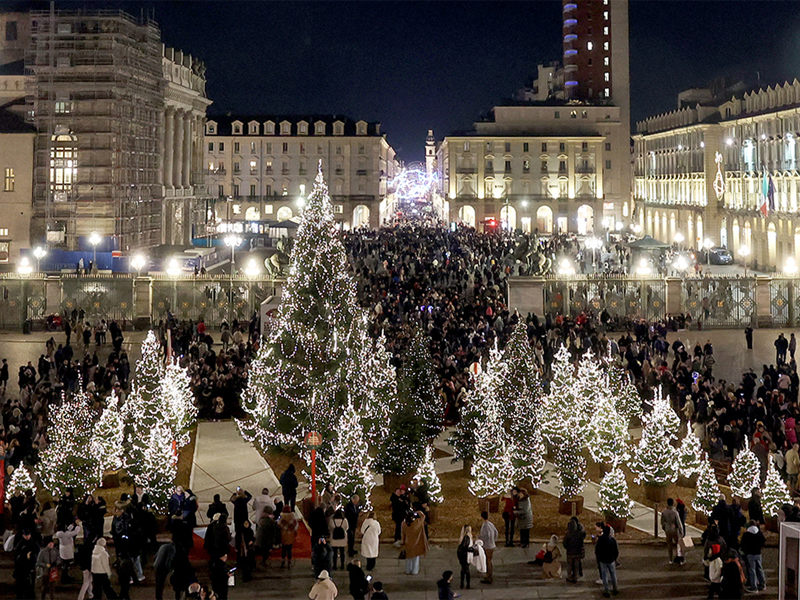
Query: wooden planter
617	523
490	504
432	510
570	506
467	465
688	482
772	524
655	493
604	468
392	481
110	480
162	524
700	519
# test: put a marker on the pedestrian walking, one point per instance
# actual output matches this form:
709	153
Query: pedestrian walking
445	592
414	540
289	485
288	525
101	571
606	551
359	586
26	553
751	546
324	588
575	548
792	345
339	528
673	530
370	540
488	535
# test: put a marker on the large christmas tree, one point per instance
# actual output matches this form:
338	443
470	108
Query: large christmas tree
177	402
348	464
745	474
655	459
626	397
707	495
156	475
372	383
20	482
418	383
690	454
775	493
492	472
68	461
108	437
300	381
608	434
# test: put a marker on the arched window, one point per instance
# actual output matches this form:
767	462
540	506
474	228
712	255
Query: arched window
544	219
63	166
284	213
466	214
361	216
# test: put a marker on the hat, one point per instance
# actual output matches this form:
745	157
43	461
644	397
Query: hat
323	575
402	487
216	517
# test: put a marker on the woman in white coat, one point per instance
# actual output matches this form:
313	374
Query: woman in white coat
370	540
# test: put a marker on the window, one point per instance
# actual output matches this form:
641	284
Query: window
63	106
573	114
63	166
605	46
338	128
268	191
252	189
11	31
590	62
584	114
237	208
320	128
64	28
220	190
253	128
8	182
606	61
268	167
253	169
608	92
607	76
237	129
63	61
222	146
544	146
236	147
526	166
608	164
4	232
605	30
605	15
286	128
544	166
608	146
303	129
584	146
508	146
489	166
211	128
269	147
236	168
562	147
302	148
562	166
590	45
252	147
210	146
466	146
235	192
338	208
338	149
508	166
558	114
525	147
270	128
488	146
285	148
361	149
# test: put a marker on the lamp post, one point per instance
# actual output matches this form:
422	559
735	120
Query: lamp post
744	252
708	244
95	239
790	268
681	265
173	270
39	253
138	262
24	267
678	239
232	241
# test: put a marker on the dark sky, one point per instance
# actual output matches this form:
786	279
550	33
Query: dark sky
419	65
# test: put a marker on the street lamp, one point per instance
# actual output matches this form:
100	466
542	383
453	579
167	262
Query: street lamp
95	239
744	252
790	268
678	239
643	268
708	244
173	269
233	241
24	267
594	244
565	267
39	253
680	265
138	262
252	268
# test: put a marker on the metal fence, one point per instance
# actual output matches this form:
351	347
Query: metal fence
720	302
620	297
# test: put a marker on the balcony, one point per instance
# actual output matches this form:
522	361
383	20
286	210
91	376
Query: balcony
584	169
212	172
284	171
465	170
362	172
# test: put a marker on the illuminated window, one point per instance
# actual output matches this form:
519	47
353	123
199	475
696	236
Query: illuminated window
253	169
252	147
590	45
605	46
573	114
605	15
63	166
608	93
8	181
605	61
526	166
268	167
269	208
607	76
605	30
237	208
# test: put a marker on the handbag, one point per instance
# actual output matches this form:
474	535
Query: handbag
687	542
231	580
52	576
402	555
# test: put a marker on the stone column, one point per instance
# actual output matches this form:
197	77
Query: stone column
177	177
187	149
169	133
200	153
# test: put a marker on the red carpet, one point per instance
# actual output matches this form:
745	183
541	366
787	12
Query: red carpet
302	547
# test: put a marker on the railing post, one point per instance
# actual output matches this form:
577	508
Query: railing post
790	299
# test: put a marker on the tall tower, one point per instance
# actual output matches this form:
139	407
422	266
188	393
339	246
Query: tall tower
430	153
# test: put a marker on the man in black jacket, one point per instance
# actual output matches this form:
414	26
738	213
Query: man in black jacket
751	546
351	514
606	551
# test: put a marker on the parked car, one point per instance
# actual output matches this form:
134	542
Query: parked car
718	255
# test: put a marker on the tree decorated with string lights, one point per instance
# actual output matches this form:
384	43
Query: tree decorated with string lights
492	471
20	482
348	464
108	436
426	475
418	383
612	496
159	467
690	454
626	397
372	384
609	436
655	459
707	494
745	474
775	493
68	460
403	449
565	425
301	380
177	400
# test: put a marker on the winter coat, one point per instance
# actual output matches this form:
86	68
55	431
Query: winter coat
66	542
323	590
606	550
332	524
358	581
524	513
732	579
100	559
48	557
573	540
752	541
414	539
322	556
370	538
671	521
289	526
267	534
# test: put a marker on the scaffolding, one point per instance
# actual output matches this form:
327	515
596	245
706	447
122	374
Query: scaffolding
96	98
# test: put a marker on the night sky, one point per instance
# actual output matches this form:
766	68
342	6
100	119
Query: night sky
419	65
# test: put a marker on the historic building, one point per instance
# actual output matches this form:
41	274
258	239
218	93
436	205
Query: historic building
16	169
261	168
557	157
700	171
119	122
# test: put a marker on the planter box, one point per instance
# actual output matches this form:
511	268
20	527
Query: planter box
392	481
604	468
491	504
570	506
162	524
110	480
655	493
467	465
619	524
688	482
700	519
772	524
526	485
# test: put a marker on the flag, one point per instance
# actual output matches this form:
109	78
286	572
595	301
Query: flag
771	194
764	206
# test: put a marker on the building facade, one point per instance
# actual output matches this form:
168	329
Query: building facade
700	172
16	168
110	105
261	169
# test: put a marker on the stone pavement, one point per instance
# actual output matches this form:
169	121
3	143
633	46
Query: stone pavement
643	574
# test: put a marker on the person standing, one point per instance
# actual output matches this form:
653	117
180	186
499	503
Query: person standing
509	517
715	565
673	529
288	525
47	565
576	550
793	465
524	517
66	548
289	486
370	540
606	551
732	577
339	528
101	571
781	345
219	572
488	535
754	509
4	375
400	509
26	553
321	556
358	580
748	336
351	512
792	345
240	499
324	588
414	540
465	548
751	546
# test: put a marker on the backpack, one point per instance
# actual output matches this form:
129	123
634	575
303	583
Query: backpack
338	532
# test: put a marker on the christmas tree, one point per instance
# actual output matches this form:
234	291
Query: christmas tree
690	454
68	460
426	475
108	436
775	493
418	383
177	401
20	482
305	361
492	472
403	449
707	495
612	496
348	464
592	384
745	474
565	424
608	434
156	475
655	459
626	397
372	384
